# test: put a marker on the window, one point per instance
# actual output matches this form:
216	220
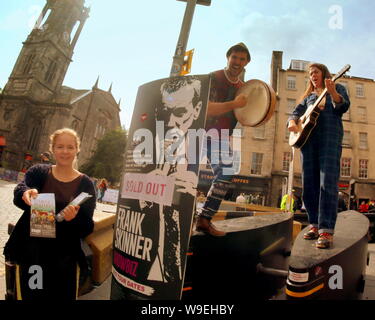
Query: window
50	74
362	114
259	132
299	65
41	23
346	167
238	132
291	84
256	164
346	115
363	168
359	90
74	30
346	141
75	124
291	104
363	140
101	128
286	160
34	137
28	63
307	81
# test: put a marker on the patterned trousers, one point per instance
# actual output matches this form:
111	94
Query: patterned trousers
320	158
218	154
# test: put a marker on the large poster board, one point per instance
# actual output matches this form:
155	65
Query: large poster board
158	189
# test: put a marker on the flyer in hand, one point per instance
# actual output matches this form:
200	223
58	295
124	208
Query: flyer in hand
77	201
42	216
81	198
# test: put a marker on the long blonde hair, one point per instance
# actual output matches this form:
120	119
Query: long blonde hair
325	75
71	132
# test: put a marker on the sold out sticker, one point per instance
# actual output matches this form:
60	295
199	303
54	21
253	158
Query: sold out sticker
149	187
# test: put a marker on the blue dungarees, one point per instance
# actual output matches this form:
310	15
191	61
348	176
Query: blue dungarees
320	157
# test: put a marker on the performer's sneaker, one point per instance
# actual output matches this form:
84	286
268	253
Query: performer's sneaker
325	240
312	234
205	225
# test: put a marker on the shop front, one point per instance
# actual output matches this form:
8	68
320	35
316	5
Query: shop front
255	189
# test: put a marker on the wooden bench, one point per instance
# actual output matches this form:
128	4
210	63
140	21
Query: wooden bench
100	242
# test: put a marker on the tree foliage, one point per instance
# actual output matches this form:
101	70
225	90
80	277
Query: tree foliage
108	159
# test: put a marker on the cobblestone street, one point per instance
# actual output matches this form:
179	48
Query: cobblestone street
8	214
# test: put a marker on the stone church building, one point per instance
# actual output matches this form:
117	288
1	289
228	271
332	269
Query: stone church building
34	103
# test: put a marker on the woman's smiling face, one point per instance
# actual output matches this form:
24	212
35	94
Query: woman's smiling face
65	149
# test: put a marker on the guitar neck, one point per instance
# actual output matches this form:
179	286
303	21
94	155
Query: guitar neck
322	95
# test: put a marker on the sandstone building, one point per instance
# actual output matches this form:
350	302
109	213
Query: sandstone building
34	102
357	165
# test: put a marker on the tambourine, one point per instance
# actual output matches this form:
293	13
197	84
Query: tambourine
260	106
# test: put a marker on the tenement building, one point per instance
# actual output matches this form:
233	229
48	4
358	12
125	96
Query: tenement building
34	101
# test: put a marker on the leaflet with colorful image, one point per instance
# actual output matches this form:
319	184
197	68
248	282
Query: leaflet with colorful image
42	217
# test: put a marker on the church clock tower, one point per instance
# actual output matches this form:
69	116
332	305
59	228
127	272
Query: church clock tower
47	52
34	103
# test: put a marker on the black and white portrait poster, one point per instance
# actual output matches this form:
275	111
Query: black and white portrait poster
158	189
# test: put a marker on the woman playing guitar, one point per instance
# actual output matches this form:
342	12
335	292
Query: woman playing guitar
321	153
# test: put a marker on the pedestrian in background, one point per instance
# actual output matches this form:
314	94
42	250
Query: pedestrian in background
341	204
241	200
95	182
103	185
45	158
288	199
60	258
371	206
363	207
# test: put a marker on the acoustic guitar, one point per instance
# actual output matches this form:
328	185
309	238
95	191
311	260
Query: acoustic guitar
308	121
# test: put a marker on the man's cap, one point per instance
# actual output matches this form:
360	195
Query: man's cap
239	47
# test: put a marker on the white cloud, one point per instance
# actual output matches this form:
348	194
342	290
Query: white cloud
21	19
306	35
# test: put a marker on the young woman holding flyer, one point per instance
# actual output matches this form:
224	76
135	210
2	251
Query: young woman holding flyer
52	263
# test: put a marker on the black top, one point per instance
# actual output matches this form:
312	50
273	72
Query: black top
23	248
64	192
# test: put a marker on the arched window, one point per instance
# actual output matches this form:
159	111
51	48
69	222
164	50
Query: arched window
51	71
75	125
41	23
28	63
34	137
74	31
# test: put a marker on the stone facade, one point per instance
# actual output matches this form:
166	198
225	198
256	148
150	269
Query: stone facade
34	103
358	126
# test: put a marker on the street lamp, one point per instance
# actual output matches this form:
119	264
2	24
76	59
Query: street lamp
178	58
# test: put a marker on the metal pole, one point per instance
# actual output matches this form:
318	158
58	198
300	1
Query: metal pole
289	205
178	58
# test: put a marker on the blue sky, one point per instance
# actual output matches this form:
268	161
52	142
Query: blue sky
130	43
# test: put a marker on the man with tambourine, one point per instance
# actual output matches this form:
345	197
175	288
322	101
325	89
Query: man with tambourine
220	116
